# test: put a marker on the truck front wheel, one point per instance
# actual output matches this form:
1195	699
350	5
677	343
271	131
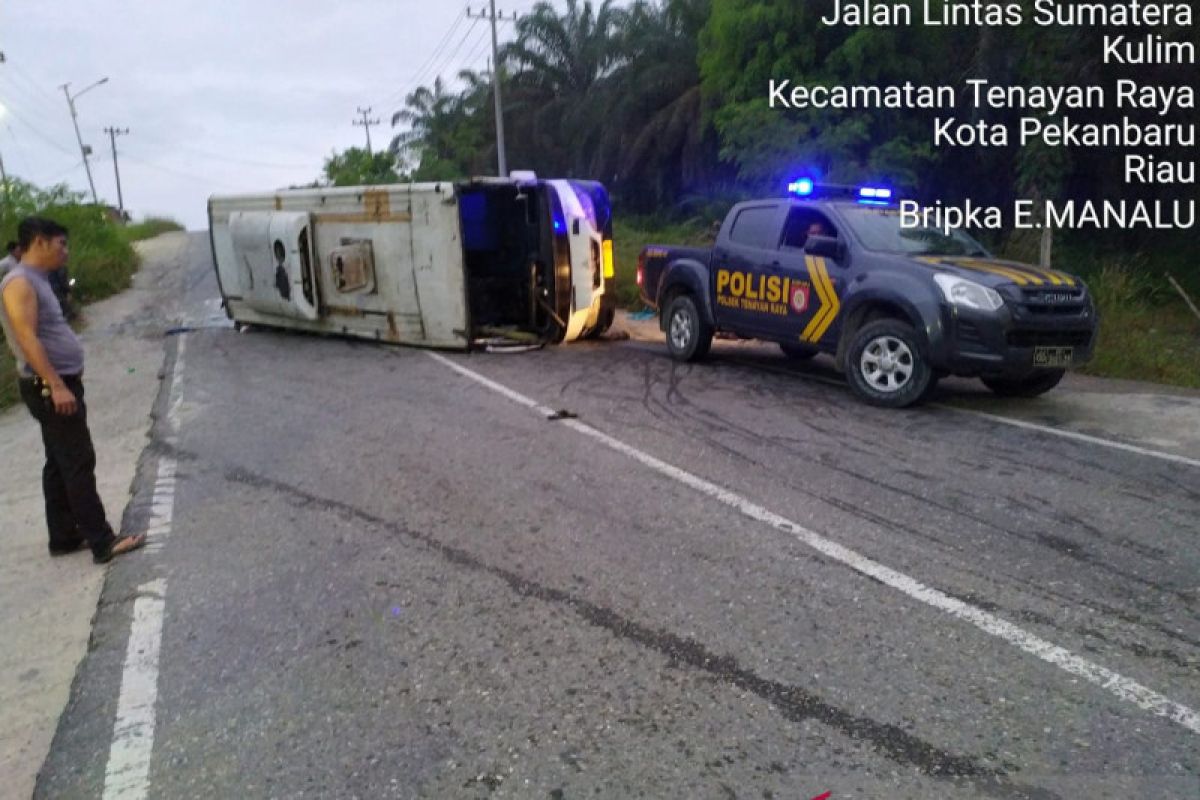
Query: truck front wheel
1029	386
688	335
886	364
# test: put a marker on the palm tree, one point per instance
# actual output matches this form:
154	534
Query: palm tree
431	115
557	62
657	144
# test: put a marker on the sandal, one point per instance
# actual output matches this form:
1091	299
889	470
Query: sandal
120	546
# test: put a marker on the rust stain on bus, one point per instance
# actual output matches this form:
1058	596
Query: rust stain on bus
377	207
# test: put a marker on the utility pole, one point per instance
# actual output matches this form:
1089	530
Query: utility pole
84	150
113	133
3	174
501	158
366	123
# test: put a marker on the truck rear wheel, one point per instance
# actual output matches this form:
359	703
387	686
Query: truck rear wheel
1029	386
688	336
886	364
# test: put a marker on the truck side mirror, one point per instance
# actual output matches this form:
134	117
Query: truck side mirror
827	246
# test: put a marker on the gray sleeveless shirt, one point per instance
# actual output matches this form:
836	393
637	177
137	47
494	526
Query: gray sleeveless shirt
60	342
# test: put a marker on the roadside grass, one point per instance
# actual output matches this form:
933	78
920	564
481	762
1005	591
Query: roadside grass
1147	333
149	228
630	235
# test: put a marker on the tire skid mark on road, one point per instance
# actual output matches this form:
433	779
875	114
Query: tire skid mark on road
1062	546
793	702
1019	423
1116	684
709	427
813	378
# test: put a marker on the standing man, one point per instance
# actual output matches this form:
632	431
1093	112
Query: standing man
50	363
11	259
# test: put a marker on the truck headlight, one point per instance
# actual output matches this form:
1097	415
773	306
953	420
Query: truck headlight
968	294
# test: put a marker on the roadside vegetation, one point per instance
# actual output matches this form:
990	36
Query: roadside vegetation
102	259
631	234
1147	332
149	228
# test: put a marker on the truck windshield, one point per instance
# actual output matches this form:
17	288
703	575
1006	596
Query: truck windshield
880	229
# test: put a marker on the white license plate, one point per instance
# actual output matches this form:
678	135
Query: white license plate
1053	356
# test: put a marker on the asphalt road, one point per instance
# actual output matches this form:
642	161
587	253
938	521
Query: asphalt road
383	578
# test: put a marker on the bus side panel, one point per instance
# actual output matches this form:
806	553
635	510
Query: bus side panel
404	243
438	272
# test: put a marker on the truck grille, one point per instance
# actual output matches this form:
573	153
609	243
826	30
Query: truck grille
1054	301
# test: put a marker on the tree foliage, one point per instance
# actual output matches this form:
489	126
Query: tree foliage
667	100
355	167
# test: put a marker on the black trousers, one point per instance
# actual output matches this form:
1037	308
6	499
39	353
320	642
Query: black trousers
74	512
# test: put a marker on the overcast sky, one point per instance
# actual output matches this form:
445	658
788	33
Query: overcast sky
218	95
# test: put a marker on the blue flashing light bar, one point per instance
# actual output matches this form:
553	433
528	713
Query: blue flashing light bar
877	193
868	195
801	188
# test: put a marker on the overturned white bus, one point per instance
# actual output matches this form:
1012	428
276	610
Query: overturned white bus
431	264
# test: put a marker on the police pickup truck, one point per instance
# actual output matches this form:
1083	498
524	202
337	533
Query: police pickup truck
833	270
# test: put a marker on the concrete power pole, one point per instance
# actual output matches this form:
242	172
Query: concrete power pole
83	150
497	70
113	133
3	174
366	123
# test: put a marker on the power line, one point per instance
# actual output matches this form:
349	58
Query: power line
35	91
38	133
65	173
480	50
437	72
418	75
221	156
450	59
243	161
179	173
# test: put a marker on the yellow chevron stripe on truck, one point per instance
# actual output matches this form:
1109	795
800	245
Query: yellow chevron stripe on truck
1016	276
830	306
1020	274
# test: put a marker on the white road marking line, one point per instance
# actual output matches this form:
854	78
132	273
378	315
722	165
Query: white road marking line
127	776
1124	688
162	505
1080	437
